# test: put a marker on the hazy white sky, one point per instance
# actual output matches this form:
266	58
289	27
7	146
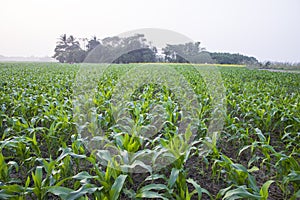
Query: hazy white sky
266	29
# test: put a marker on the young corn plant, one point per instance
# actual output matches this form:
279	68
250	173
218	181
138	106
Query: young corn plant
178	186
242	192
263	146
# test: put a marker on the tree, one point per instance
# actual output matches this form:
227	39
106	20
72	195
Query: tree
267	64
92	43
138	56
227	58
60	49
68	50
134	49
122	50
184	53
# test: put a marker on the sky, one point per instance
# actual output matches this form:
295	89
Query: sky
265	29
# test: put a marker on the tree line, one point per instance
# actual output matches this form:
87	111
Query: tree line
136	49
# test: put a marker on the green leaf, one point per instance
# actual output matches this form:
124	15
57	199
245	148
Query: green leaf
137	163
12	188
27	181
253	169
150	195
85	189
261	136
83	175
296	195
239	167
252	183
173	177
62	192
37	176
153	187
104	155
198	188
117	187
264	189
155	177
4	195
240	192
243	149
223	191
294	176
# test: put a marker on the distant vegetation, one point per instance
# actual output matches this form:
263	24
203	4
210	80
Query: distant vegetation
136	49
280	65
25	59
227	58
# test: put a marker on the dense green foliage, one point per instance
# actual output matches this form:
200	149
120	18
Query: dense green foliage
68	50
280	65
133	49
136	49
43	155
227	58
186	53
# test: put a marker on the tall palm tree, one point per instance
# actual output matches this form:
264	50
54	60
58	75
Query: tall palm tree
92	43
68	50
63	40
60	49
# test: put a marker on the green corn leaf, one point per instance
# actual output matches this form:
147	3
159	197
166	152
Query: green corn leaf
240	192
222	192
37	176
153	187
243	149
27	181
150	195
135	164
296	195
252	183
261	136
253	169
155	177
117	187
264	189
198	188
12	188
173	177
85	189
5	195
294	176
62	192
83	175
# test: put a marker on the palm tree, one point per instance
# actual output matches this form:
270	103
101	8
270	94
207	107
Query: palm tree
63	40
60	49
92	43
74	51
68	50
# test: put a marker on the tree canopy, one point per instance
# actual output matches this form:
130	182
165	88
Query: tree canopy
136	49
68	50
227	58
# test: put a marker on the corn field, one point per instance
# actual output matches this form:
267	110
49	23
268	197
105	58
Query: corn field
49	149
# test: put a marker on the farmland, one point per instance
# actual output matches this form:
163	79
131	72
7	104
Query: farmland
47	152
